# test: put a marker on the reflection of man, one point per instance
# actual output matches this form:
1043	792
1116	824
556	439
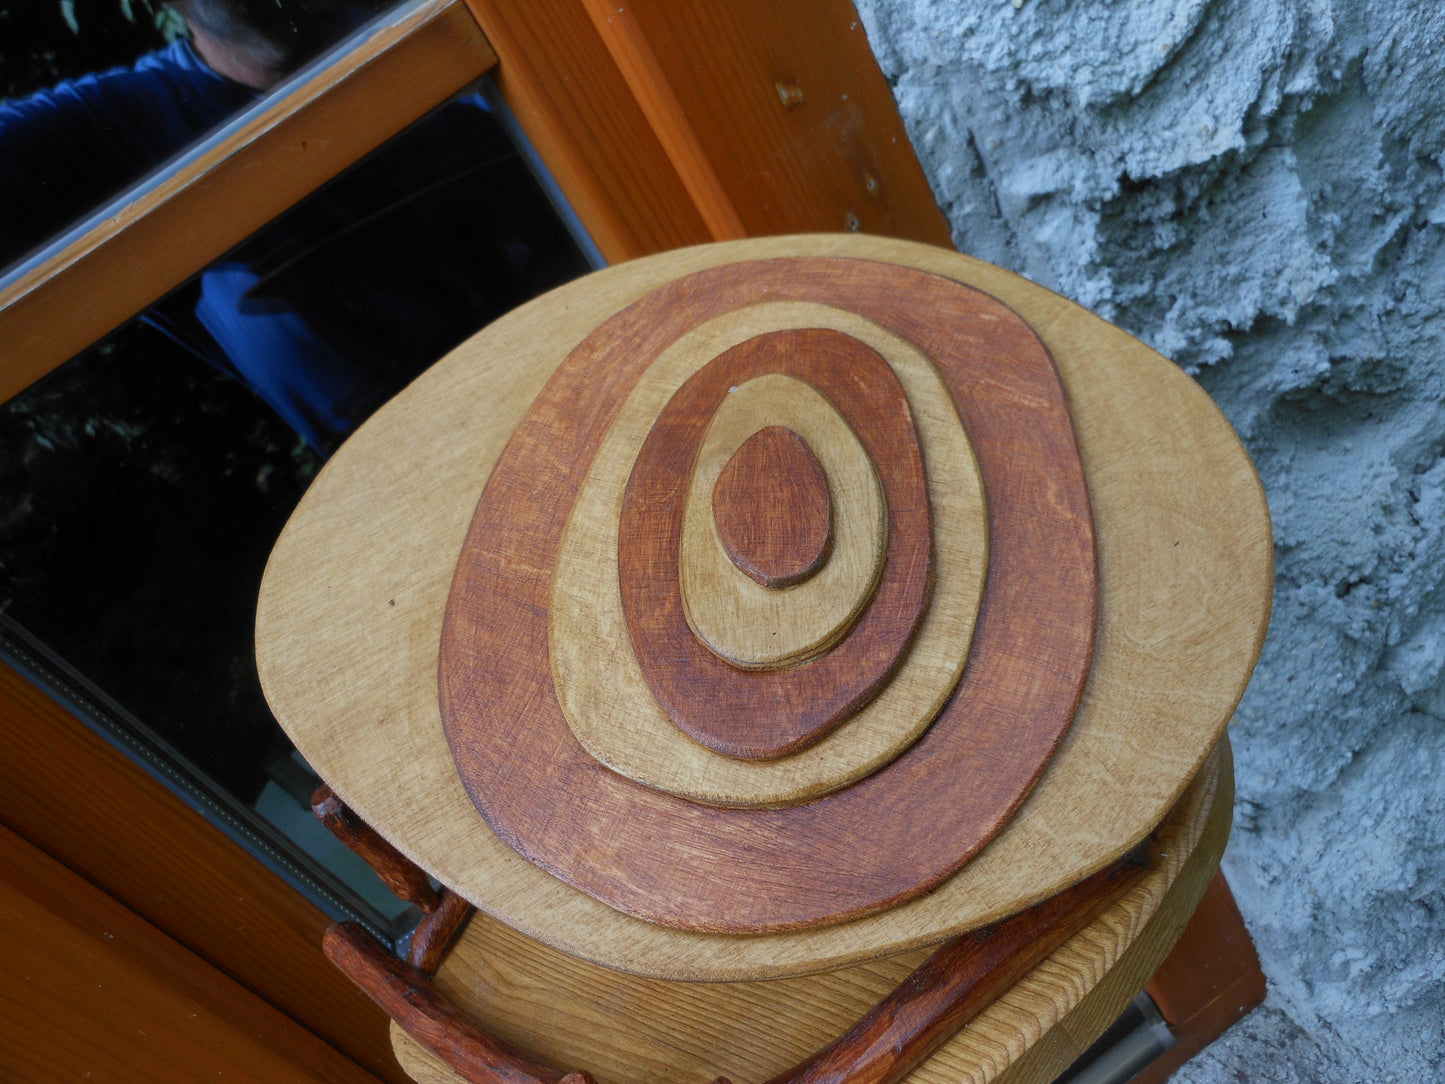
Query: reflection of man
329	309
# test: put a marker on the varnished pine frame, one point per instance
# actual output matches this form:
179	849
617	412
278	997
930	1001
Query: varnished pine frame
664	126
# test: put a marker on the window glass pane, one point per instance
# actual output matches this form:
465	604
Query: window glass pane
143	483
98	93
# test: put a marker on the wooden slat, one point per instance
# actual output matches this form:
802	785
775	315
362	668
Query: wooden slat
72	794
89	989
671	124
240	181
558	76
798	125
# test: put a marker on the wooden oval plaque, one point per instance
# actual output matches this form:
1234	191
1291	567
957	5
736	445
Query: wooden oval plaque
752	870
595	676
353	602
762	628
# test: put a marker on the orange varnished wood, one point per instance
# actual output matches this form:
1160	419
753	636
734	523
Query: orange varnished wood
664	124
90	990
435	933
787	135
739	870
958	982
771	508
556	72
404	877
71	793
1209	981
764	714
409	997
239	182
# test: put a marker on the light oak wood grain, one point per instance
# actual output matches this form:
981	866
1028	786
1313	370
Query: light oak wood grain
771	509
762	715
754	870
348	659
750	624
598	683
629	1029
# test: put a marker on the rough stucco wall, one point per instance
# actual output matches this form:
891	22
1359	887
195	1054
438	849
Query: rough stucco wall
1254	187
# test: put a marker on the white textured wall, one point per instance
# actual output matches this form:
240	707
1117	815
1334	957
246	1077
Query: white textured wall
1254	187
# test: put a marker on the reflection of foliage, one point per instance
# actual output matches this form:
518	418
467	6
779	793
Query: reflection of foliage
140	492
165	18
40	47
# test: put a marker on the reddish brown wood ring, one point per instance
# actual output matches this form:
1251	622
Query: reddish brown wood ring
752	870
775	462
762	714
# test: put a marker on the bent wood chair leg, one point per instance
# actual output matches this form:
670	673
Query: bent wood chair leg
411	999
444	914
949	989
960	980
406	879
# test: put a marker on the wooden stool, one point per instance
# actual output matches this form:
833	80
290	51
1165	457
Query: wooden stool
797	607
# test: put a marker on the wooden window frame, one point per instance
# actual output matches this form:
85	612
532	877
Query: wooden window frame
663	125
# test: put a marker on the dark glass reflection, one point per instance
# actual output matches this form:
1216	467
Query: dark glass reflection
143	484
100	93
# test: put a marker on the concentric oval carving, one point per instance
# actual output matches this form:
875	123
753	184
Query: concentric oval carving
595	676
670	860
758	626
771	508
758	714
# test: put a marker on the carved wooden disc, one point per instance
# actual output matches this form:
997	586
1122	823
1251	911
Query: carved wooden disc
595	675
753	870
772	510
763	714
757	627
352	609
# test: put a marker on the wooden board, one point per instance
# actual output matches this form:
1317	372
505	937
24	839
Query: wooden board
753	624
754	870
761	715
771	509
599	685
90	990
61	787
348	659
573	1015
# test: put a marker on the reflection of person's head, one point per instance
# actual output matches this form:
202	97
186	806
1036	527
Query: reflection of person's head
259	42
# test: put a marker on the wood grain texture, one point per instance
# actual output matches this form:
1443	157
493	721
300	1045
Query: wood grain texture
409	998
435	933
626	1028
752	626
70	792
89	989
664	128
599	685
760	715
404	878
772	511
709	79
1180	626
961	979
234	183
753	870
